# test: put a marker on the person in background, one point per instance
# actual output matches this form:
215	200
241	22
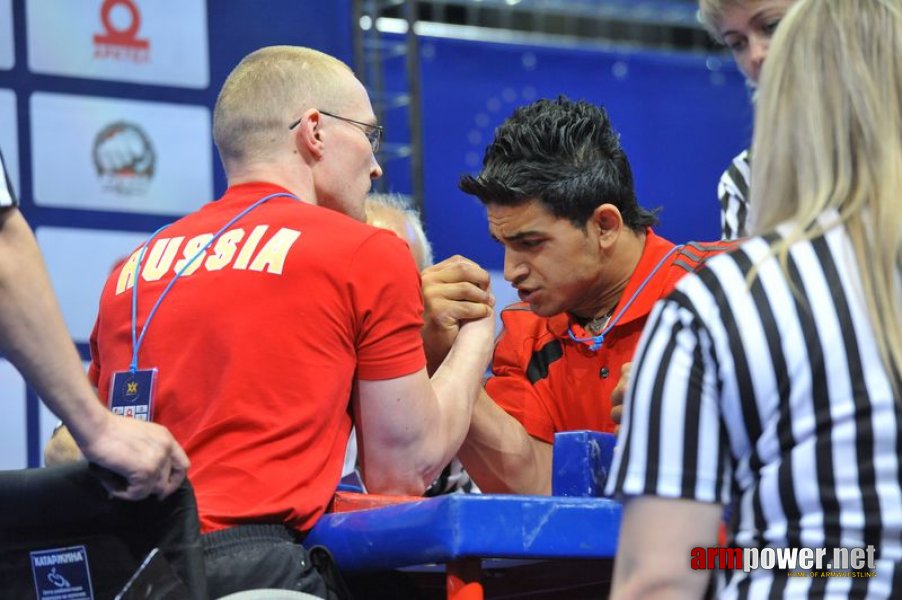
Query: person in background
558	191
394	213
266	318
746	28
771	380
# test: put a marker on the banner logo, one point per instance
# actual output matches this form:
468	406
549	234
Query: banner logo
795	562
124	158
121	43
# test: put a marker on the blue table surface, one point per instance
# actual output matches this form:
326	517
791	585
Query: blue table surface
445	528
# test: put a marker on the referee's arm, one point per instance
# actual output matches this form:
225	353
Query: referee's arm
656	541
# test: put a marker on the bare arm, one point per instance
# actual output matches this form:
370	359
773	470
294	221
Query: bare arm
411	427
656	540
498	452
454	290
34	338
501	456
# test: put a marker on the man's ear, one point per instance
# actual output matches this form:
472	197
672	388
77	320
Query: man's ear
307	138
607	222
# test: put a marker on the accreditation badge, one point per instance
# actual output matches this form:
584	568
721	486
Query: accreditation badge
132	393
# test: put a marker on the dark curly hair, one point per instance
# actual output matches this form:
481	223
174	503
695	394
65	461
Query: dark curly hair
564	154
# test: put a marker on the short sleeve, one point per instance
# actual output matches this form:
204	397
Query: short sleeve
7	195
384	286
672	443
733	193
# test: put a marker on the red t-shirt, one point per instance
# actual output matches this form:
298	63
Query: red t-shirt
550	383
258	347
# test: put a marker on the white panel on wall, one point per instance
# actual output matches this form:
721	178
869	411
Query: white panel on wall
143	41
7	47
120	155
13	444
9	135
79	262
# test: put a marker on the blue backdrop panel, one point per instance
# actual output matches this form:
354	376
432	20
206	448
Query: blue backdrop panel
238	27
681	120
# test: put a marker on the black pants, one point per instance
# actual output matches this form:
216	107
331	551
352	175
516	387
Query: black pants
259	556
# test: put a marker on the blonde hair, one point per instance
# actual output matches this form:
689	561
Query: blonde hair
828	136
266	91
710	12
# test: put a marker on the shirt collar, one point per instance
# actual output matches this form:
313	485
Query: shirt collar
253	190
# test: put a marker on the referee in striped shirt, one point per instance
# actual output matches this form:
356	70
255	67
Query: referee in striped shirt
770	381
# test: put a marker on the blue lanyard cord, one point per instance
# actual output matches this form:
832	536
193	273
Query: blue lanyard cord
598	340
138	340
134	364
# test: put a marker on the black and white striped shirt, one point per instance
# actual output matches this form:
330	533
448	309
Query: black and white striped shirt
775	403
733	193
7	196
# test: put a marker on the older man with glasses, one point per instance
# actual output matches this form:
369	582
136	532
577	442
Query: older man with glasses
264	321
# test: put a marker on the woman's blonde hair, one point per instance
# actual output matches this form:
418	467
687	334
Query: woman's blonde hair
828	136
266	91
710	12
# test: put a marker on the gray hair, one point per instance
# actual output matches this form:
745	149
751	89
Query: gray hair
403	206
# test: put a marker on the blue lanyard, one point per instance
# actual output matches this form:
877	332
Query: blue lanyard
138	340
598	340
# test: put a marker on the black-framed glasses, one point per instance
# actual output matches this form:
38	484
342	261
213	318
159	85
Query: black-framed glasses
372	132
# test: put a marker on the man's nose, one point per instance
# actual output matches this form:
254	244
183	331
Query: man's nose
376	170
514	267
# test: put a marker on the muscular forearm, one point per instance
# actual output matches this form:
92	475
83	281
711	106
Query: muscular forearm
501	456
411	427
437	343
457	384
32	333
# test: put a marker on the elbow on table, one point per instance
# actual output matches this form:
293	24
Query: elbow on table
393	481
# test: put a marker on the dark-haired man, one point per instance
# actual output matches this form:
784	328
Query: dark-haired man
558	191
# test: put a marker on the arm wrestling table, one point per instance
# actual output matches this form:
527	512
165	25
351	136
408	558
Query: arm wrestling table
370	533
